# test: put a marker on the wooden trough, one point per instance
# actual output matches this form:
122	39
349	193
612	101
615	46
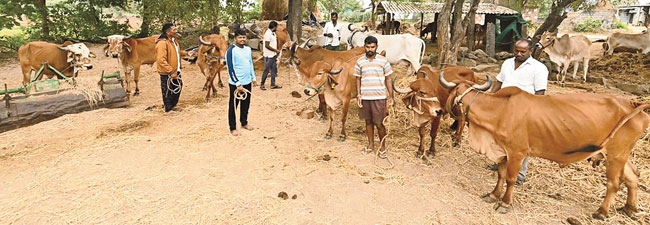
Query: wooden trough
44	100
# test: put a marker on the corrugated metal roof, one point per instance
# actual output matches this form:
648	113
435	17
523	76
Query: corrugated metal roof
429	7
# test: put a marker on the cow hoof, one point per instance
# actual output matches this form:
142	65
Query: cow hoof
488	198
207	100
214	95
501	208
136	93
598	216
456	145
322	119
220	85
328	136
418	154
341	138
204	89
431	154
629	211
562	85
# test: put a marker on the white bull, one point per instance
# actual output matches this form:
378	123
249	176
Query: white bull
400	48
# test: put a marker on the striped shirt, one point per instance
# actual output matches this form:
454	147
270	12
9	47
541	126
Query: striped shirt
373	75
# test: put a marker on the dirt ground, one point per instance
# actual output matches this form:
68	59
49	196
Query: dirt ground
138	166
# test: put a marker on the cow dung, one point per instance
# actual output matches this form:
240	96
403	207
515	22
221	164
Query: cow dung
294	197
306	114
573	221
326	158
296	94
283	195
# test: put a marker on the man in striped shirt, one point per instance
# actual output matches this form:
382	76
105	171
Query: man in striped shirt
373	87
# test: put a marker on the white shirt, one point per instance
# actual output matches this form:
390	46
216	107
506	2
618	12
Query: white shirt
273	42
335	31
531	75
178	55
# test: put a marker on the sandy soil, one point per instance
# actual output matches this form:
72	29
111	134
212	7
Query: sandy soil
137	166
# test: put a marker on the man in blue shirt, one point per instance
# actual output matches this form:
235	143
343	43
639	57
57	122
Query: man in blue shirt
241	75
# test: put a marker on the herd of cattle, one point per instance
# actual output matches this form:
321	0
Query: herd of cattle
592	126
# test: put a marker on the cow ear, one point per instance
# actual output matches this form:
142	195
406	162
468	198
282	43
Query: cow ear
70	57
538	36
407	99
91	55
127	46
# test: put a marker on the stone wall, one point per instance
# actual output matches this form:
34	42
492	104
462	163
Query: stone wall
606	16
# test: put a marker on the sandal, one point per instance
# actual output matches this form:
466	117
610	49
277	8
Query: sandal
248	127
276	87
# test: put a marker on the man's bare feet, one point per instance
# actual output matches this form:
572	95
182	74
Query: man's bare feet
248	127
368	149
234	132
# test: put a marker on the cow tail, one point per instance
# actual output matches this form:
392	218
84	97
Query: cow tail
592	148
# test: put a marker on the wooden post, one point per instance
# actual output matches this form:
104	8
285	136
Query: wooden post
421	23
386	19
389	24
490	35
471	34
435	27
524	31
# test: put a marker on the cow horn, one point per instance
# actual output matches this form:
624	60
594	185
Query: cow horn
204	42
103	38
350	27
446	84
485	86
64	48
366	29
400	90
304	45
127	37
336	72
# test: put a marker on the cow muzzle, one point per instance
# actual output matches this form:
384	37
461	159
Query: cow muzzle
115	55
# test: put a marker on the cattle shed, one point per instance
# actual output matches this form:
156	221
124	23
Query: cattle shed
501	24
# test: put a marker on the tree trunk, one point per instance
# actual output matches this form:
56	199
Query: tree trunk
373	16
274	9
45	22
443	30
294	23
471	35
146	20
450	46
554	19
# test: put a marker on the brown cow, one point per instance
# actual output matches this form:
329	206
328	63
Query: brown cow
565	50
67	58
338	86
507	126
432	89
131	53
639	42
303	58
211	60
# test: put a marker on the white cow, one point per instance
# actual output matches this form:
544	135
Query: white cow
400	48
640	42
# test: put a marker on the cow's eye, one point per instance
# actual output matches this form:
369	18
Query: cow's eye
320	74
422	92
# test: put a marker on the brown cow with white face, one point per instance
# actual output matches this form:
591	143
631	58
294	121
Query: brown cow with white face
131	53
211	60
67	58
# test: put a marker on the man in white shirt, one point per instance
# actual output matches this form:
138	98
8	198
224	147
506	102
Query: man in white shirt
332	31
270	52
527	74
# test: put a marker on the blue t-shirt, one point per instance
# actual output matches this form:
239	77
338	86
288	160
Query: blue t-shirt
240	65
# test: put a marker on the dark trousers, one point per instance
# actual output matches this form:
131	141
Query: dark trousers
243	111
169	98
270	65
